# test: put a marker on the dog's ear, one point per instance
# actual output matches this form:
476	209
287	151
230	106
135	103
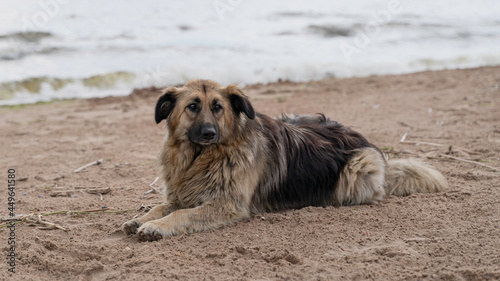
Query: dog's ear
165	104
239	101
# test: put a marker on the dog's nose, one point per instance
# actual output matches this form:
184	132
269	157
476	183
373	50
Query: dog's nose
208	132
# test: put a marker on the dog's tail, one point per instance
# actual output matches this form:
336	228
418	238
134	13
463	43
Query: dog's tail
406	176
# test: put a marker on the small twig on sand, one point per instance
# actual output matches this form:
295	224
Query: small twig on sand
449	150
470	161
36	218
103	209
92	190
49	225
98	162
153	189
151	184
70	213
403	140
18	218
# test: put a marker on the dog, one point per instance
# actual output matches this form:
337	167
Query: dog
221	162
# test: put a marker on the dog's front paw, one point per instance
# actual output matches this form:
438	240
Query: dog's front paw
131	226
151	231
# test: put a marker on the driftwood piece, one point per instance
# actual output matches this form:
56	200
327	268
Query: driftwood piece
91	190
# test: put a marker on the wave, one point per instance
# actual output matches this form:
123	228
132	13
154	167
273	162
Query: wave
328	31
19	53
120	83
15	46
28	36
37	89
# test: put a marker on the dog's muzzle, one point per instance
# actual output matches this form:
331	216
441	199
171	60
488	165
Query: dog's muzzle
204	134
208	133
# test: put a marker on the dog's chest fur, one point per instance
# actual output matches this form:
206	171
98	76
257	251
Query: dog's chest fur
195	174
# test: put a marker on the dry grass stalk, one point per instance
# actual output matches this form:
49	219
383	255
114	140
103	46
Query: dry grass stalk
449	151
403	140
470	161
36	219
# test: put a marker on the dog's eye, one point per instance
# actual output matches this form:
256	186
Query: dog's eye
217	108
192	106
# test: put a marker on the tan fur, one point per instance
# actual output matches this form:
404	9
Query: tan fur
362	181
407	176
208	186
203	205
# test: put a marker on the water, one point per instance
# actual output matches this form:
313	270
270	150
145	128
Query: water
58	49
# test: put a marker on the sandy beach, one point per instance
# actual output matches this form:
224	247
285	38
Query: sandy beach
454	115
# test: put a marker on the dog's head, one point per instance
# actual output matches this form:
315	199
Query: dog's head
203	112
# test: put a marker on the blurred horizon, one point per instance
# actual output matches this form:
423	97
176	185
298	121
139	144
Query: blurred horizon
59	49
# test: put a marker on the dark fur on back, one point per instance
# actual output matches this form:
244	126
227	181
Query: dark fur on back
308	153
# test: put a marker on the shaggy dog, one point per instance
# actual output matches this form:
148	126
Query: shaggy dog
222	162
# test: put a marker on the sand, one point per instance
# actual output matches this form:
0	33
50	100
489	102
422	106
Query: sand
453	235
